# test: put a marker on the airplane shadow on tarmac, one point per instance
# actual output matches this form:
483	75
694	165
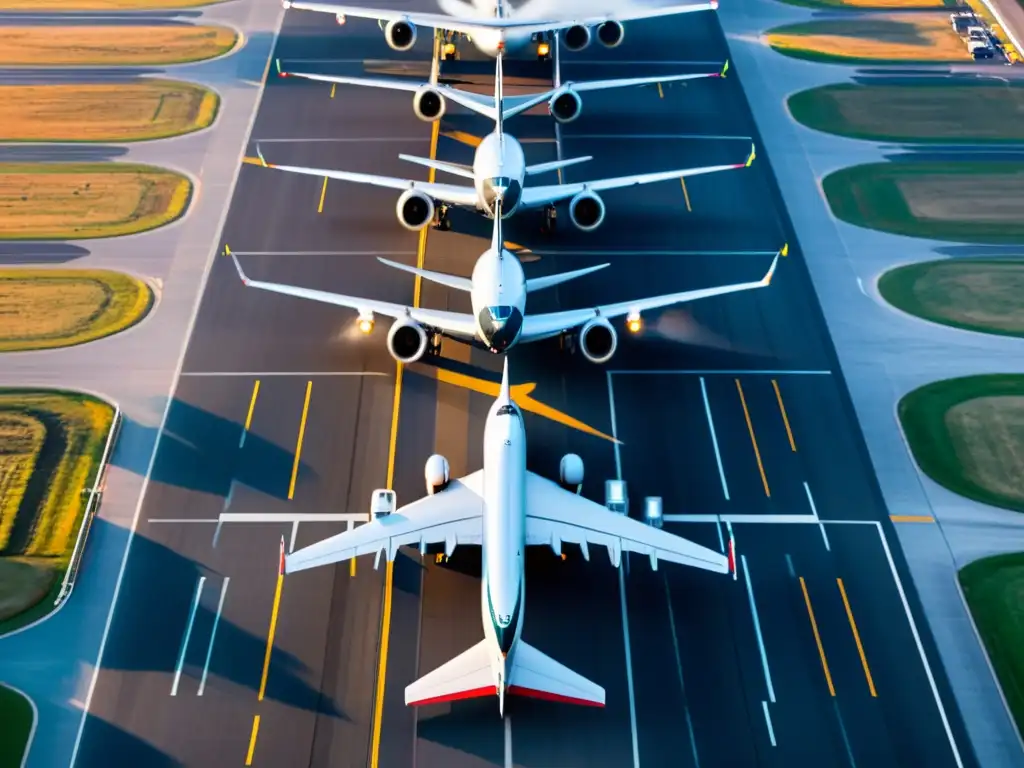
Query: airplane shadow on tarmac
199	451
27	254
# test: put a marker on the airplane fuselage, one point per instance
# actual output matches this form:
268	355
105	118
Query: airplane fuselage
499	161
498	298
503	545
487	41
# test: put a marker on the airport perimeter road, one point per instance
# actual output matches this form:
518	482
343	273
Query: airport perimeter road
727	407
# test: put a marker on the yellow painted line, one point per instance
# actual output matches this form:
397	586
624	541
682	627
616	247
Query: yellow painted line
323	194
521	394
514	246
785	418
817	637
466	138
252	404
298	444
333	87
270	636
912	518
686	195
385	619
252	739
352	567
753	440
856	637
661	93
251	161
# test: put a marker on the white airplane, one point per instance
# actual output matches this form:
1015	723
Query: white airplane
498	291
504	508
498	172
492	24
429	101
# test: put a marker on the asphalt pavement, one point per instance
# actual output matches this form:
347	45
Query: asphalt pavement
815	654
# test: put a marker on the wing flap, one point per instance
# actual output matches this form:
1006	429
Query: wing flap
538	676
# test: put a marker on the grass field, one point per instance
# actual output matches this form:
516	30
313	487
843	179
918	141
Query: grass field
133	111
891	37
100	5
977	202
975	295
59	201
993	587
112	45
53	308
927	111
43	503
16	715
967	434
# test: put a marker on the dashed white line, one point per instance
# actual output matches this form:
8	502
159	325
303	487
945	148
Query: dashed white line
656	137
714	438
679	670
757	629
629	667
213	635
768	721
304	374
611	406
188	634
708	372
842	730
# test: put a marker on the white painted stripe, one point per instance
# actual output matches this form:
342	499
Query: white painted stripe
292	517
629	666
757	629
920	647
324	253
679	670
611	405
182	520
768	721
348	140
811	519
295	532
622	252
714	438
814	511
188	634
752	372
842	730
649	63
656	137
213	635
508	742
304	374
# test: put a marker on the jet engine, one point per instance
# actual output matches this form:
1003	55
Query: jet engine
565	105
610	34
400	35
570	472
414	209
586	211
437	474
598	340
576	38
407	341
428	104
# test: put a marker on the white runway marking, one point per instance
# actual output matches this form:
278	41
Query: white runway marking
290	517
636	63
714	438
768	721
757	630
182	520
213	635
814	511
324	253
303	374
629	668
842	730
628	252
348	139
679	670
656	137
751	372
508	742
188	634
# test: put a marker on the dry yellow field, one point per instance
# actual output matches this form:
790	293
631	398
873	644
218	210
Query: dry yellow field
112	45
23	583
100	5
69	201
53	308
134	111
21	438
988	433
888	37
965	198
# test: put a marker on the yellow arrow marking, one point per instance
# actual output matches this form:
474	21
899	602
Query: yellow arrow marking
521	394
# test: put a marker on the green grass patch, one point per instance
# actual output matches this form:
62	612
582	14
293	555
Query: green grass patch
925	111
872	39
51	444
974	202
967	435
983	295
52	308
994	587
16	716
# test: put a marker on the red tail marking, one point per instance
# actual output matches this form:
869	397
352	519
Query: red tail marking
472	693
548	696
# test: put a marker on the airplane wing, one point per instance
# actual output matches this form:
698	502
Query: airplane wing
448	193
452	516
534	197
454	323
536	327
555	515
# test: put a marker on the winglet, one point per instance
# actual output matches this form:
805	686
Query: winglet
504	392
259	154
277	63
241	274
785	250
767	280
753	154
724	69
280	562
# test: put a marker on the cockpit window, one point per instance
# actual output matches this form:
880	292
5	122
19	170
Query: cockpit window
500	313
508	410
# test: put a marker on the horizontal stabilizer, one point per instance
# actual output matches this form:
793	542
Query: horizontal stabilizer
452	281
554	165
467	676
537	283
538	676
457	169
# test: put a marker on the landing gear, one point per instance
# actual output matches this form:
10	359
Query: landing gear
549	219
543	41
567	341
441	220
434	344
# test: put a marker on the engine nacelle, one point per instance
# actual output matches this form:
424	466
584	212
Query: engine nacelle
414	210
428	104
586	211
610	34
570	472
400	35
565	106
598	340
437	474
407	341
576	38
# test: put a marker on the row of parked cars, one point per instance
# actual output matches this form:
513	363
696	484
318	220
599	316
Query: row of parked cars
975	34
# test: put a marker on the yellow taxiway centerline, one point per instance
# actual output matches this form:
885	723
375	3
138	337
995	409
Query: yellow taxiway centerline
252	739
856	638
753	440
817	637
298	444
785	418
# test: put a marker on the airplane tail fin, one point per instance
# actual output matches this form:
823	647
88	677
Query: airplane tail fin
499	126
537	283
538	676
468	676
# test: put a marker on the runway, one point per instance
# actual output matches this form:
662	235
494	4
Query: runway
816	654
